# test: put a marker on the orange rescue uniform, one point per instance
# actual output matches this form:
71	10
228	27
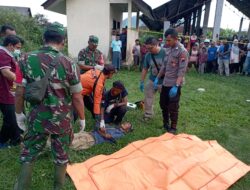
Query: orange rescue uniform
87	80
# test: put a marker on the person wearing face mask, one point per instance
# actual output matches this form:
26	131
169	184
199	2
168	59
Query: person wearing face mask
9	134
90	57
153	61
52	116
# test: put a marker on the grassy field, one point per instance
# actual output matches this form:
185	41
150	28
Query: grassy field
220	113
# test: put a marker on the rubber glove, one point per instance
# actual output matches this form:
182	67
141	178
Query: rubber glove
21	119
173	91
102	124
110	107
82	125
142	86
99	67
156	83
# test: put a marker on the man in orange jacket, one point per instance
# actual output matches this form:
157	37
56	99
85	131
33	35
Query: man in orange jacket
93	82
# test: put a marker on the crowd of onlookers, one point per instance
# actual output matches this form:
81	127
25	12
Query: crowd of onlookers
225	57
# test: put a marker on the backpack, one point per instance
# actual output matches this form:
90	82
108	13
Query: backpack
35	91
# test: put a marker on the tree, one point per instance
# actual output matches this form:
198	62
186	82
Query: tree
41	20
26	27
227	33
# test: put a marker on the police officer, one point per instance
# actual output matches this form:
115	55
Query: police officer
52	117
174	68
90	57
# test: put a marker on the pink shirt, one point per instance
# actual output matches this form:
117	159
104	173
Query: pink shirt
203	58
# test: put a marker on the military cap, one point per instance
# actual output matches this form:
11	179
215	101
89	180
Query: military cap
93	39
56	27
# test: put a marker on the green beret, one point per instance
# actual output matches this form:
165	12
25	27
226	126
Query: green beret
56	27
93	39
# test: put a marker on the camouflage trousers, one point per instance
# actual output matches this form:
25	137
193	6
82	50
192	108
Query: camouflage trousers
34	143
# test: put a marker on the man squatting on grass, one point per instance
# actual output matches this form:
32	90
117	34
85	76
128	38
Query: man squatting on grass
174	68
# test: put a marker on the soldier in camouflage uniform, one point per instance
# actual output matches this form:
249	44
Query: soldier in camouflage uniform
52	117
90	57
174	68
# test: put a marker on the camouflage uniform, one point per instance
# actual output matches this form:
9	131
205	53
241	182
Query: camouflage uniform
53	116
91	57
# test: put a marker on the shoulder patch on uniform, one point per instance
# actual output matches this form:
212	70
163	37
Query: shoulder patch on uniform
183	56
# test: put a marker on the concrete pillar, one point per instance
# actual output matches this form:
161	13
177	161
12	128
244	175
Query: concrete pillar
198	25
248	33
240	28
189	25
130	40
129	14
206	17
194	22
137	19
185	25
166	26
217	19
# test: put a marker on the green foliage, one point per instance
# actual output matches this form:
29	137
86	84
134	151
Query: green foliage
220	113
26	27
227	33
209	34
143	35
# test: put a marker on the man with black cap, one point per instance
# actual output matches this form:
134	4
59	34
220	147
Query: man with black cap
51	116
115	103
90	57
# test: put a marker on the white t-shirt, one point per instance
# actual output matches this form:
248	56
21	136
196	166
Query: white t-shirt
234	54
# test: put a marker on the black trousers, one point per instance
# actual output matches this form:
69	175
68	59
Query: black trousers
10	130
116	115
169	106
89	104
211	66
234	68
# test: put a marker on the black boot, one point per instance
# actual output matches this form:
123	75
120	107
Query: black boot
166	126
59	178
24	179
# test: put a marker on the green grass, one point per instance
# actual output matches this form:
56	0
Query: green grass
220	113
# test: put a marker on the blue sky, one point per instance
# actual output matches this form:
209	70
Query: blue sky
230	18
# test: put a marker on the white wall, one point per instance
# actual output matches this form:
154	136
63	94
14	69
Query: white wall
85	18
132	36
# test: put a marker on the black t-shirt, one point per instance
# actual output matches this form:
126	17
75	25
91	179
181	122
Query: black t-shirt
108	99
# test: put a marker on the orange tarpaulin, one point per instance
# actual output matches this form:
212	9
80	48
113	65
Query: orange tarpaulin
168	162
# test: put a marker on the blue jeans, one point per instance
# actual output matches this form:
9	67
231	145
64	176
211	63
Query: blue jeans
247	65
